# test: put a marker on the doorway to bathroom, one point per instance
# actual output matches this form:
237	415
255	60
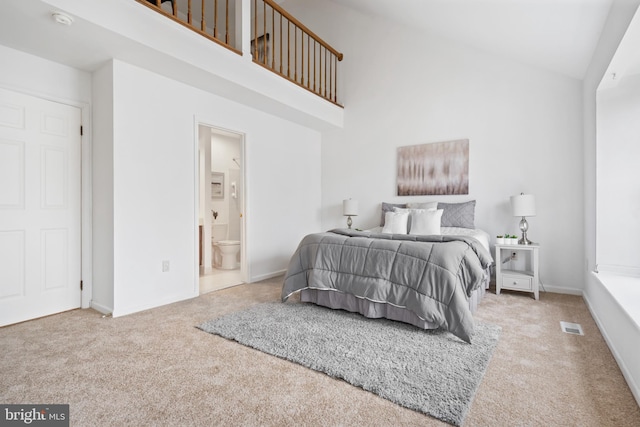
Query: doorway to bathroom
222	258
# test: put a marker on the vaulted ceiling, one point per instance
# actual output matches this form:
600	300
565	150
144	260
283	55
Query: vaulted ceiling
558	35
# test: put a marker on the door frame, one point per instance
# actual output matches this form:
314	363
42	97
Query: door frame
244	257
86	164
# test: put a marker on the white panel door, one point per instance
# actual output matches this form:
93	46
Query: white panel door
39	207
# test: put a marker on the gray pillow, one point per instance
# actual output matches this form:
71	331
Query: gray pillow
388	207
458	214
425	205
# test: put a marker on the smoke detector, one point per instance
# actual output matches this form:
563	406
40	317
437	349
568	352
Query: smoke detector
61	18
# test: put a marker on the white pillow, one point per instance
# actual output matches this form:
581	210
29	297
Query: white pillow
395	222
412	212
426	222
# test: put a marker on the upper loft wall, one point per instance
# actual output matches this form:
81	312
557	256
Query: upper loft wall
130	31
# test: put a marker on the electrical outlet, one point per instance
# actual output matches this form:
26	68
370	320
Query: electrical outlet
165	266
514	256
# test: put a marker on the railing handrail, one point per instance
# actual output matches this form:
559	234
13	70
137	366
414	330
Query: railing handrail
300	25
188	24
319	74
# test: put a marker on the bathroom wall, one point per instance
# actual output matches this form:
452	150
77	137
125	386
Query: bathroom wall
224	148
235	207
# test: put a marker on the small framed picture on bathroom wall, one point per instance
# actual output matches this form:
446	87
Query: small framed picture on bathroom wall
217	185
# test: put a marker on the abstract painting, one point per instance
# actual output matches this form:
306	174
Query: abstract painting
438	168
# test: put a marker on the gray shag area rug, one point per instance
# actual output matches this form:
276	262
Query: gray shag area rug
432	372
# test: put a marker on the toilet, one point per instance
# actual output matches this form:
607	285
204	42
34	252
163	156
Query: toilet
225	252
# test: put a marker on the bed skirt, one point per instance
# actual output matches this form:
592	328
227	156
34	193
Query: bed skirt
376	310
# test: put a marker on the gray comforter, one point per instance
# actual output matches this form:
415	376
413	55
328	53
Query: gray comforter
433	276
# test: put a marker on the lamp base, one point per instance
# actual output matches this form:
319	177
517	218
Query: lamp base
349	222
524	226
525	241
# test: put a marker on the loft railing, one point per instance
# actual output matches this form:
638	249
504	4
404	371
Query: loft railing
285	46
279	42
209	18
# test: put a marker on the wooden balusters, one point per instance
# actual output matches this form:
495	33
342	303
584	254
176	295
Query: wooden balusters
265	35
306	60
302	59
215	18
280	44
255	31
203	23
200	11
273	51
288	48
226	22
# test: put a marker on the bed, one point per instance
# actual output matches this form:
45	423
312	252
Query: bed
419	267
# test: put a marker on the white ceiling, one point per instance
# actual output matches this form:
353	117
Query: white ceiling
27	25
558	35
626	61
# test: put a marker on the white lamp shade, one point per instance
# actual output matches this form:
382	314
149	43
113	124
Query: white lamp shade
350	207
523	205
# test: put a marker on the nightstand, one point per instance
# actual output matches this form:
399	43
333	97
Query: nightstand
521	273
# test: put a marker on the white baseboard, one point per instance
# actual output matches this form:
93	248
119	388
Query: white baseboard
560	290
267	276
101	308
125	310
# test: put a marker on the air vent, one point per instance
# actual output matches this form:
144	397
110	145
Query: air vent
571	328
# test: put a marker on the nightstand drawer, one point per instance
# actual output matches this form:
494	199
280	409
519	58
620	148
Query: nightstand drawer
517	282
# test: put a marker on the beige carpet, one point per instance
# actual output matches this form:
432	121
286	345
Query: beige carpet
156	368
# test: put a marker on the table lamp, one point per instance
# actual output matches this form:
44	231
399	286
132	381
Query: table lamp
349	209
523	205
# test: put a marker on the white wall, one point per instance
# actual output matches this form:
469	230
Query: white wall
618	186
154	196
617	328
620	16
204	207
103	174
402	87
40	77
